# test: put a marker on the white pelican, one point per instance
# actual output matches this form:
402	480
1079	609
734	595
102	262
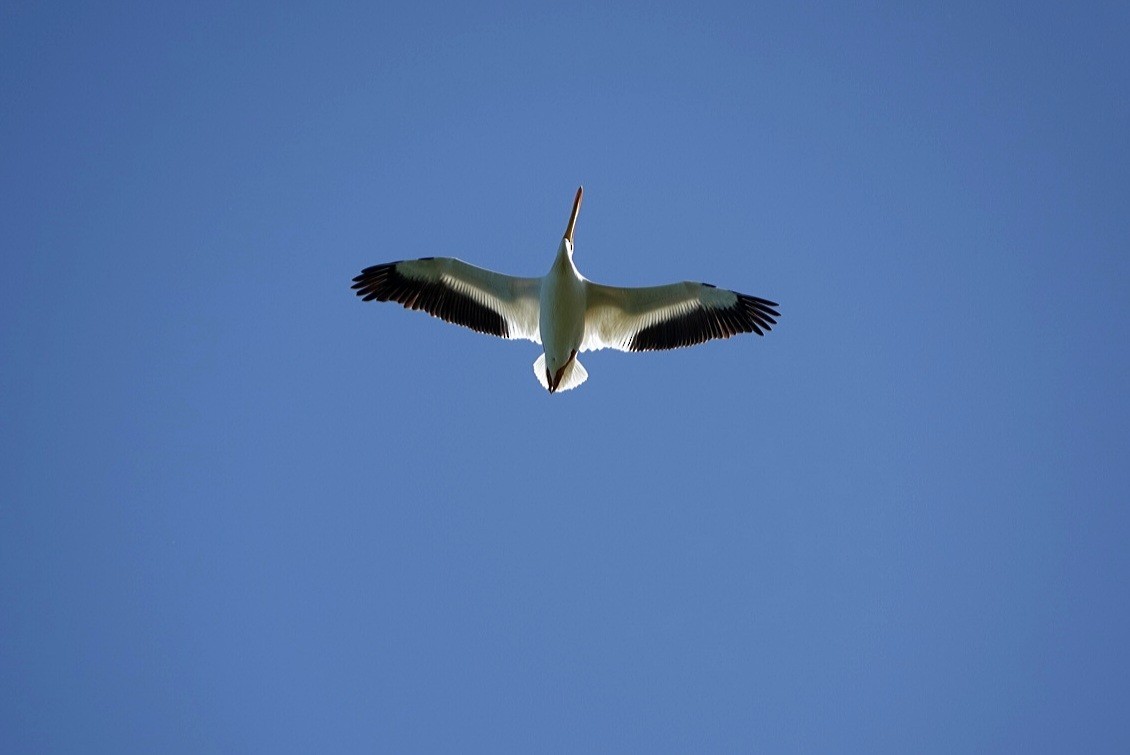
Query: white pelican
563	311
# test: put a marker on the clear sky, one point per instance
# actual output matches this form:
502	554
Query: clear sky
242	511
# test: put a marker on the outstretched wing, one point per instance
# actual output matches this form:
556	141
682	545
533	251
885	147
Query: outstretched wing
670	317
452	290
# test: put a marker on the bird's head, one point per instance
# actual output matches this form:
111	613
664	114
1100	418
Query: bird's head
567	239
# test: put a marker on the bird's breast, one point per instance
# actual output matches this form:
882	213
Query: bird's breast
562	311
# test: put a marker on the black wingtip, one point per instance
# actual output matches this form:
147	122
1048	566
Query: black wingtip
385	283
749	314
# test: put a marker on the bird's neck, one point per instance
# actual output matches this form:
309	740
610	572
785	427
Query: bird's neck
564	260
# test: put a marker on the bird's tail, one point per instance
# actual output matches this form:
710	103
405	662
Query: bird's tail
575	374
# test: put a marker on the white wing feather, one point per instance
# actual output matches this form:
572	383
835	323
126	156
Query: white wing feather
413	283
671	316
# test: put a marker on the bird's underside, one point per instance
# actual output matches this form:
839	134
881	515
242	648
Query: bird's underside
565	312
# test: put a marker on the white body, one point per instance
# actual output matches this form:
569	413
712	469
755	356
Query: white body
563	311
561	321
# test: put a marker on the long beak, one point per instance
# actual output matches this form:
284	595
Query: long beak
573	215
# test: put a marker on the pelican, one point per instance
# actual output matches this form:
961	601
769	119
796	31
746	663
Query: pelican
563	311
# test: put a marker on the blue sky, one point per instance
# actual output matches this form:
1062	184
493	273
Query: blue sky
242	511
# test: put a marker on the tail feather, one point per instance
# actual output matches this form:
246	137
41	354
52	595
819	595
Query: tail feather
575	374
539	371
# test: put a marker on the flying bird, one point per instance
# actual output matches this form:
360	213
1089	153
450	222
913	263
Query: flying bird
565	312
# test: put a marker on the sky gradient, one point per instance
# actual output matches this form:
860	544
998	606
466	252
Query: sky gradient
241	511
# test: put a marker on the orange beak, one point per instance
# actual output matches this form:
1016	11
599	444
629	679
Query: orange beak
573	215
